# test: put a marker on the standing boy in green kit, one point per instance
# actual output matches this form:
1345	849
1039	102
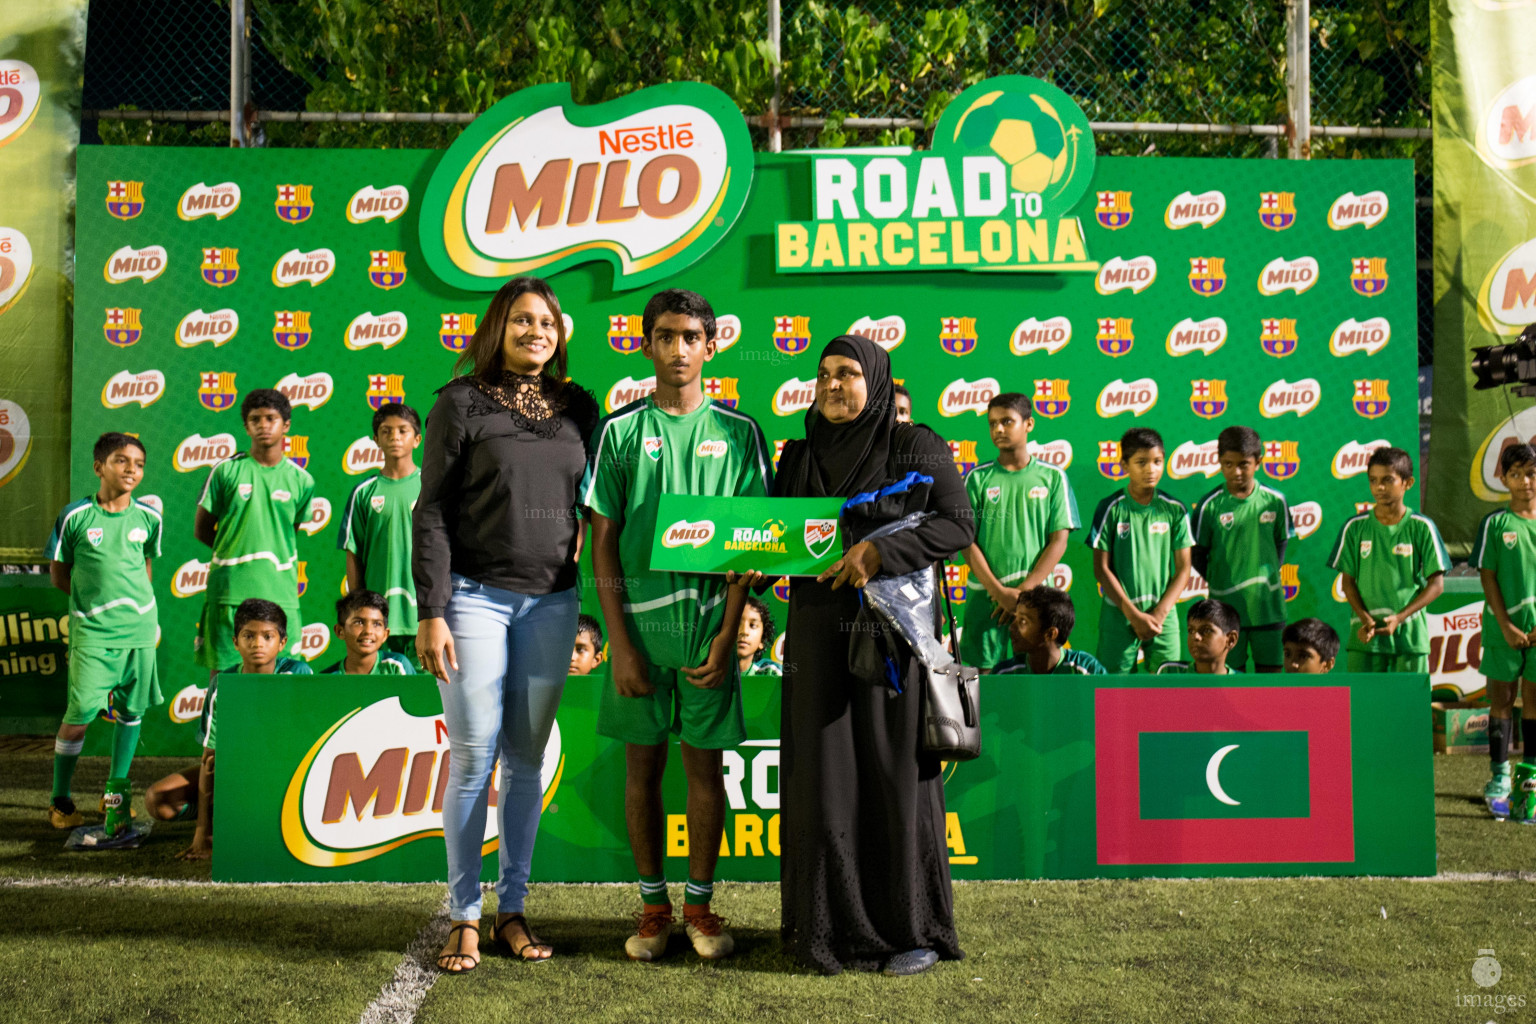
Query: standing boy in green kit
1024	510
1392	561
1505	556
1140	539
672	636
376	528
100	553
249	514
1241	529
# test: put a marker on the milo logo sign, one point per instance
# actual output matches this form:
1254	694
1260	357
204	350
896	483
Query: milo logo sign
647	183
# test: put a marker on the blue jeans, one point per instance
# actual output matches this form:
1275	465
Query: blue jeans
513	652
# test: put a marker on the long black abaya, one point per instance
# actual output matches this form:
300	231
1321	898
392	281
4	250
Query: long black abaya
865	868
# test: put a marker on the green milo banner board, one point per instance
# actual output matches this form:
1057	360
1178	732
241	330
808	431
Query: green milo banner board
1129	777
1200	294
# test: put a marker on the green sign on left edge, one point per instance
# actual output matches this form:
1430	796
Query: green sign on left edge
775	536
648	183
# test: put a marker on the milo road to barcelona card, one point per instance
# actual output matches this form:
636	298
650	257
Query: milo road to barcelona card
776	536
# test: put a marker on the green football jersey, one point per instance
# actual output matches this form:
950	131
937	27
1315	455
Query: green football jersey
111	602
388	663
377	529
259	509
1244	536
1187	668
1073	663
1506	546
765	667
1016	512
207	724
642	453
1141	541
1390	564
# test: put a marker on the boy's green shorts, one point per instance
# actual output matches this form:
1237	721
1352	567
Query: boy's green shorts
124	676
215	645
1386	661
1263	643
1503	662
984	642
704	719
1118	644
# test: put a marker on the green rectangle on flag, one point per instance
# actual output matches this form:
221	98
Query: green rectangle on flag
776	536
1252	774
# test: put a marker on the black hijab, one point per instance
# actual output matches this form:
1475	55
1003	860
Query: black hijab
843	459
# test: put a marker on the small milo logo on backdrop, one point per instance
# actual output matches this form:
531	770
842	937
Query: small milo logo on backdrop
647	183
1011	157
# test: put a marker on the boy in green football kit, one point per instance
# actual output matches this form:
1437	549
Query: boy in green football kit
362	624
376	527
1024	510
1041	623
100	552
249	514
1505	556
1213	636
1141	540
672	636
1240	530
1392	561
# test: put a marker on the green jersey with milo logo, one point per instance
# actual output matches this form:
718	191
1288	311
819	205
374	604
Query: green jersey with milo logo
640	453
111	602
1141	541
1390	564
1244	536
255	550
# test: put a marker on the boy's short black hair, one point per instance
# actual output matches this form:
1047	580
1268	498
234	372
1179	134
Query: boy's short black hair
760	606
1313	633
399	409
1509	458
1014	400
588	624
1139	439
255	609
1053	608
1218	613
266	398
359	599
901	389
111	441
678	300
1395	459
1241	440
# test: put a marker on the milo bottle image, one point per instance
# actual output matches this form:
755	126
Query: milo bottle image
118	801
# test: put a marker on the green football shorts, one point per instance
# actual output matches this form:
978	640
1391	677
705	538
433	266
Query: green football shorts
1503	662
1263	643
125	676
1118	644
704	719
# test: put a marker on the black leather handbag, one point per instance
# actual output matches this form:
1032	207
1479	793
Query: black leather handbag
952	704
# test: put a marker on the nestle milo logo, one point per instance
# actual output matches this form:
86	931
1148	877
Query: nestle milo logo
685	534
375	781
648	183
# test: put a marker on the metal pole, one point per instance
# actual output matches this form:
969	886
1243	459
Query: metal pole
775	136
1298	77
238	81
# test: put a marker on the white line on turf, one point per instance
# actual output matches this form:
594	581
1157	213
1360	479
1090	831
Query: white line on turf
401	996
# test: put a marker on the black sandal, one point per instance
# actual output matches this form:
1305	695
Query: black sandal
532	943
459	956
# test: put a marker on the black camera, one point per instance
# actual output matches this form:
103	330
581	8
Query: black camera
1514	364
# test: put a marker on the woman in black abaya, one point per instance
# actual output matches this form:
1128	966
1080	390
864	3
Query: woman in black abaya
865	866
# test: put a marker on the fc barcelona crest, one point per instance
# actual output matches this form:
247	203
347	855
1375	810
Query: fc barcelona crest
957	334
220	266
1290	580
781	589
1208	398
125	199
964	454
456	331
303	577
1115	337
1207	274
1280	459
778	453
122	327
1114	210
1109	460
1368	275
956	578
1371	398
625	333
291	329
296	449
216	391
384	388
1278	336
1277	210
294	203
792	334
722	390
386	268
1051	398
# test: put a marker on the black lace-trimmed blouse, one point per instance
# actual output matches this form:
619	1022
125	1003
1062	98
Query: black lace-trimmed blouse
501	468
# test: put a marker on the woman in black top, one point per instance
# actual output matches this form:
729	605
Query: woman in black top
865	867
496	537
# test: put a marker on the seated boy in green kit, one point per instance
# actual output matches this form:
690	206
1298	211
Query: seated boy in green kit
1039	626
362	623
1214	634
1311	646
